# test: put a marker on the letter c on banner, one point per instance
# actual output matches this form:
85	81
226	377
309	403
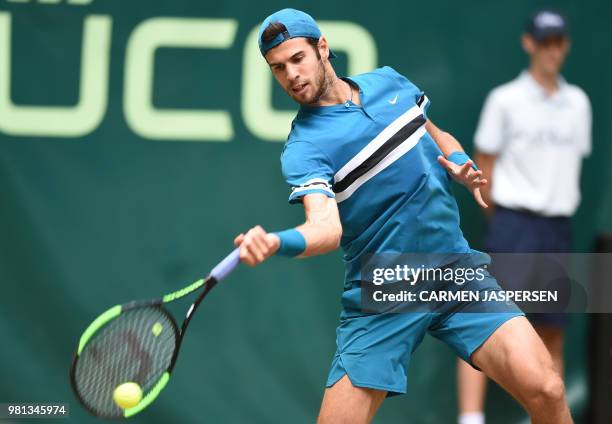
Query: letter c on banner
165	124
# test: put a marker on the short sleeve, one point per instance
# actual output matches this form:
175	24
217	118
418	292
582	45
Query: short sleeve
416	95
307	170
585	127
490	133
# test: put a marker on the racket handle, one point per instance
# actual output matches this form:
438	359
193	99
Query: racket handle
226	266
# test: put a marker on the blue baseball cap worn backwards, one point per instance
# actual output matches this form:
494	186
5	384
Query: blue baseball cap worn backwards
297	23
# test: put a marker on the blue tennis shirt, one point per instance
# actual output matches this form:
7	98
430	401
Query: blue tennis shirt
380	164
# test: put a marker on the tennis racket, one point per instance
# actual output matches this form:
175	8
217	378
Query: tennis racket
135	342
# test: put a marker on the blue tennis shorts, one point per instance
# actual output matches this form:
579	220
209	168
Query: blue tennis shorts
374	349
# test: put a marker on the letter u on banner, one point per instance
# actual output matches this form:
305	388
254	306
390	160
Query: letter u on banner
60	121
166	124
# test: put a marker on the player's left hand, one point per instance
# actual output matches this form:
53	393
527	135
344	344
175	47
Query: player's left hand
466	175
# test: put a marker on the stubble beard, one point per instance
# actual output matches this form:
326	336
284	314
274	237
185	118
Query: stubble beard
323	82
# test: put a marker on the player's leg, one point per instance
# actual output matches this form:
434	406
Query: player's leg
507	233
515	357
345	403
371	361
499	340
471	390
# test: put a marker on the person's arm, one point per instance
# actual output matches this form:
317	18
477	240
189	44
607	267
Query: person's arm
319	234
445	141
486	163
465	173
322	230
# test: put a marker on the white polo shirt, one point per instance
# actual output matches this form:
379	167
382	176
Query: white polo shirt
540	141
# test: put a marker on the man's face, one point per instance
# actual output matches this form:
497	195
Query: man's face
549	54
298	69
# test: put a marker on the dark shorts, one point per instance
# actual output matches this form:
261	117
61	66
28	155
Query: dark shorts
523	232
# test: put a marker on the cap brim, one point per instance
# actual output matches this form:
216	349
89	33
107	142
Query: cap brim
540	36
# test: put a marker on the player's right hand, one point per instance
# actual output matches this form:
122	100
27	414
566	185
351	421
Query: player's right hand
256	245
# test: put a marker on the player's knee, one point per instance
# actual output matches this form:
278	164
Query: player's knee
549	391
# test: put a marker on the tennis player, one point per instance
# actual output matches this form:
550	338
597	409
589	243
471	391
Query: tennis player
373	174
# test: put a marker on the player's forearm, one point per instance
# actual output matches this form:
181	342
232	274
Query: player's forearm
322	230
321	237
320	234
445	141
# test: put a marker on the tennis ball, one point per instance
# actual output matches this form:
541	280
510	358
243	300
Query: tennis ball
157	329
127	395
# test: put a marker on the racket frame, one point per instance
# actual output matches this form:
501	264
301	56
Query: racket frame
110	314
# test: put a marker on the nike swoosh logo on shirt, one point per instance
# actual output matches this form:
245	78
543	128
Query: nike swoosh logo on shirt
394	101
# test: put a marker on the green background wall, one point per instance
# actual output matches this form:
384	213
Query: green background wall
91	221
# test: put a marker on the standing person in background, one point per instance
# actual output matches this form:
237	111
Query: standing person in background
533	133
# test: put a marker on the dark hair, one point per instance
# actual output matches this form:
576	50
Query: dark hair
272	31
276	28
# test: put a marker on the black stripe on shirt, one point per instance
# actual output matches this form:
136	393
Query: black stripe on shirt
421	100
394	141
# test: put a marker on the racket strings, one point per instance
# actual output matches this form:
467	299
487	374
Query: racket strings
136	346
